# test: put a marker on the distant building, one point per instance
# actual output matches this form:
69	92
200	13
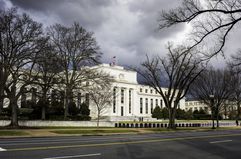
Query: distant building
196	105
227	108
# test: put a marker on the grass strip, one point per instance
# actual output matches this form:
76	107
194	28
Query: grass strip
12	133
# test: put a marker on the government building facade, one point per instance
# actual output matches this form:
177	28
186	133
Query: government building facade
131	100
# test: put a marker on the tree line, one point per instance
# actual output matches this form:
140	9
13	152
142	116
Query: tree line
52	58
186	68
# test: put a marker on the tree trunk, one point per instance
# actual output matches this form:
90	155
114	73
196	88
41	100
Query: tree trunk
1	89
213	119
1	99
217	117
172	118
238	110
217	122
43	114
1	105
14	108
98	119
66	104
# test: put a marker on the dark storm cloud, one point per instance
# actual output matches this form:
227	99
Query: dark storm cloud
90	13
127	29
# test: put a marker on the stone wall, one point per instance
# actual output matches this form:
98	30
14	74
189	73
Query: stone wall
39	123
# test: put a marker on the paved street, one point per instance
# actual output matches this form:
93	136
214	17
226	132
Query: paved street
178	145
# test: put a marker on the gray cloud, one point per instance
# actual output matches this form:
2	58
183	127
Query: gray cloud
3	4
127	29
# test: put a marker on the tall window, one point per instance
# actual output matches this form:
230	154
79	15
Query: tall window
156	102
151	105
114	100
141	105
146	105
161	103
122	96
87	99
140	89
130	101
79	100
146	90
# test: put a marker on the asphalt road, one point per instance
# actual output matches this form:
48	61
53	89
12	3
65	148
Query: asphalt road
177	145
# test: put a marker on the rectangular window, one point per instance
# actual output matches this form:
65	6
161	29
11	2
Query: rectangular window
156	102
151	91
140	89
151	105
161	103
146	90
141	105
114	100
122	96
79	100
130	101
87	99
146	105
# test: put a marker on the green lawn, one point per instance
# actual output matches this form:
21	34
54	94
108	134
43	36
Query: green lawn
13	133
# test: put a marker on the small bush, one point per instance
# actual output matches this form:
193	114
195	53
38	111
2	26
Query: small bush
84	109
157	113
73	110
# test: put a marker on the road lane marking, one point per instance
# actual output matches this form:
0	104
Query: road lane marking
1	149
221	141
75	156
121	143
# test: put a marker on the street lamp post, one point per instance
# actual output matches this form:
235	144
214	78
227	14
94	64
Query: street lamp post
212	108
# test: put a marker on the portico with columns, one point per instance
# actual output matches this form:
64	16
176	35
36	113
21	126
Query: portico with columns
131	101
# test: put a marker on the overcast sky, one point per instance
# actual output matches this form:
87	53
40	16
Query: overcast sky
127	29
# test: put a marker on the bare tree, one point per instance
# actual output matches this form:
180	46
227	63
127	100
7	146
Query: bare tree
213	87
46	69
177	71
212	21
102	97
76	49
20	42
2	83
235	70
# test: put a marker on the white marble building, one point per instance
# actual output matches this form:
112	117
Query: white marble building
132	100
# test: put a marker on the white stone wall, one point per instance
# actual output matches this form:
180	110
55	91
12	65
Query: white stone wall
40	123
